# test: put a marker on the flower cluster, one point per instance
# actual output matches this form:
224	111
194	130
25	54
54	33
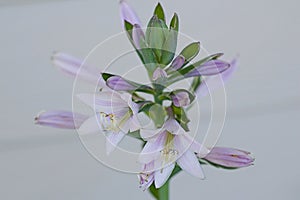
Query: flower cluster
168	146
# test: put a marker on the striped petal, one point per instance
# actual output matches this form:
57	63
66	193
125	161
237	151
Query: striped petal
210	68
230	157
118	83
152	149
60	119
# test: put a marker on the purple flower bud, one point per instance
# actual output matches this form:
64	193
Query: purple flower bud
159	73
60	119
177	63
181	99
128	14
137	35
209	68
119	84
229	157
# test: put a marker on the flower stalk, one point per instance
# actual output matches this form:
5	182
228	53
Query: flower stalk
168	146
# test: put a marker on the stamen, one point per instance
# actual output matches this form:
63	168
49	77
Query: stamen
169	153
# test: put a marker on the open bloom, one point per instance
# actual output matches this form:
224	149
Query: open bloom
115	115
165	148
229	157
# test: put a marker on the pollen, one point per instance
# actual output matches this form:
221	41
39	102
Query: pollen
108	122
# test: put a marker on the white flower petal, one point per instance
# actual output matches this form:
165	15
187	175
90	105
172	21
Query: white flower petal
151	150
134	123
148	134
195	146
161	176
173	127
112	140
189	163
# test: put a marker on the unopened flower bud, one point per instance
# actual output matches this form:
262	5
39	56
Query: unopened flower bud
119	84
229	157
181	98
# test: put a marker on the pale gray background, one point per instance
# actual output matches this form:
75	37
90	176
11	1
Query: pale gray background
263	98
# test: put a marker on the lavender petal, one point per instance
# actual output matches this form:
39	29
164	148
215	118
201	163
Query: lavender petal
229	157
210	68
117	83
60	119
162	175
128	14
177	63
137	35
159	73
181	99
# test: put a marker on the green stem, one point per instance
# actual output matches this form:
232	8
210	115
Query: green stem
163	192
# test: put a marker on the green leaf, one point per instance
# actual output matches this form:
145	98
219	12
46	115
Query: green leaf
181	117
190	51
128	27
149	58
174	24
146	54
169	47
157	113
156	34
135	134
159	12
106	76
195	84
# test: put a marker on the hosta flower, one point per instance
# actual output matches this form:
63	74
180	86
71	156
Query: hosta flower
60	119
212	67
128	14
120	100
159	74
229	157
146	177
177	63
181	98
167	147
115	115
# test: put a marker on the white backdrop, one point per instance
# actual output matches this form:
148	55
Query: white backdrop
263	98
